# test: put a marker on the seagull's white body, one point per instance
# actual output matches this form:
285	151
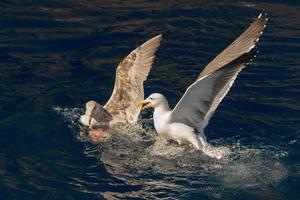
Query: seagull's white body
187	121
179	132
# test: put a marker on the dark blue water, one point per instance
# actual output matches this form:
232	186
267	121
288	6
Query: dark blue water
56	55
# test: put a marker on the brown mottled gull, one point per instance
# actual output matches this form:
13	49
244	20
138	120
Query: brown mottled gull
131	73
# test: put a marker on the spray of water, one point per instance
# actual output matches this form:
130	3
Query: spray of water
135	154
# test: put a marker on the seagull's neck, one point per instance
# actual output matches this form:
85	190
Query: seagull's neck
161	116
161	109
164	105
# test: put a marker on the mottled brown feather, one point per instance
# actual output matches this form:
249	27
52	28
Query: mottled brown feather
130	76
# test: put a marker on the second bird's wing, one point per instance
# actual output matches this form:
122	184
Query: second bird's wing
130	76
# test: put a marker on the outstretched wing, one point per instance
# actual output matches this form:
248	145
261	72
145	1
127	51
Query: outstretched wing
201	99
130	76
243	44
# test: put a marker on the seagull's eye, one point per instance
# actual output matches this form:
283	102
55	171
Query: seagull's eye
151	98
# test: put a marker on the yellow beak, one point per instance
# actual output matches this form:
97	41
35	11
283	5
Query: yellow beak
143	103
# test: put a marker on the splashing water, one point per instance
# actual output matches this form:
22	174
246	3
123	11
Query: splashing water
134	152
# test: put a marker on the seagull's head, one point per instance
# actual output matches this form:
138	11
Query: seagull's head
152	101
90	108
96	116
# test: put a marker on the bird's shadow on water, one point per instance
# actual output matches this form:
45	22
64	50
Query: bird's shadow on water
136	155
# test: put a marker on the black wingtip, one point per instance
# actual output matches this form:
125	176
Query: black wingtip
244	59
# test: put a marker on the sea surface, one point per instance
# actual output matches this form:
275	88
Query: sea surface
56	55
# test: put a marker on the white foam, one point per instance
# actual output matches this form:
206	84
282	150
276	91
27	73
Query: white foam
134	151
216	152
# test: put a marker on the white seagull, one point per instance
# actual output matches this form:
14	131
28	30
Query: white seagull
186	122
131	73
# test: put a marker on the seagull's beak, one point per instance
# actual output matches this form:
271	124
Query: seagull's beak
90	120
92	115
144	104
